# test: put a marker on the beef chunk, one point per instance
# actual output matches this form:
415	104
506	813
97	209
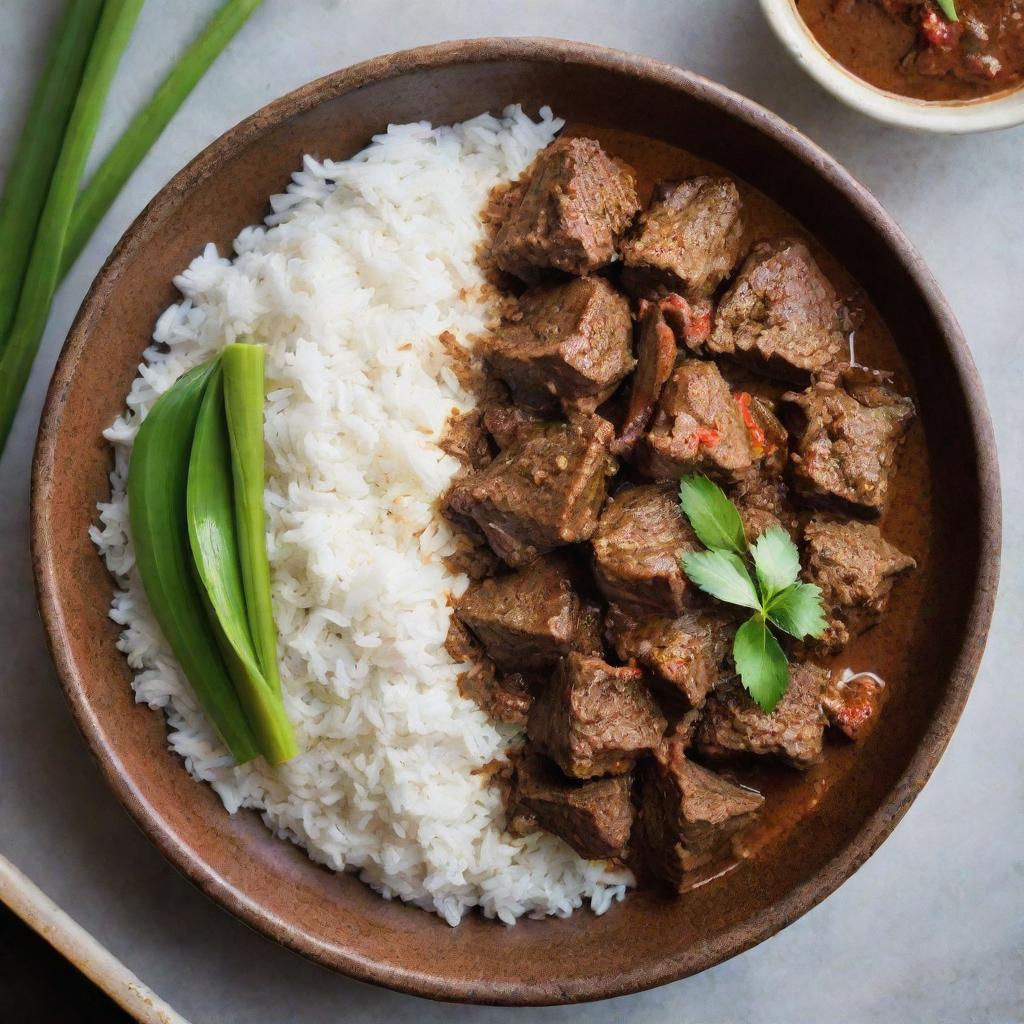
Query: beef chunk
567	341
595	818
472	555
852	704
529	619
697	427
545	489
656	355
781	314
685	654
637	545
508	423
466	439
687	241
850	430
593	719
687	812
733	724
855	567
569	213
506	699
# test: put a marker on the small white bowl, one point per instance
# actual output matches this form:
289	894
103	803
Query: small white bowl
1002	110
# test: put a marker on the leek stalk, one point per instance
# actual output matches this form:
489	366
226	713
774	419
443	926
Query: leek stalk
147	125
214	539
35	156
41	277
243	399
157	493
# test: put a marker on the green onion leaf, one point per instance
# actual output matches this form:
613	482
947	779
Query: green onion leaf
714	518
157	484
19	352
243	400
761	663
776	561
798	610
723	575
214	539
948	8
148	123
32	163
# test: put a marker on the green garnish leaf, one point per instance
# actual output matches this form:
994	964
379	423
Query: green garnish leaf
776	561
948	8
714	518
797	610
723	575
761	663
722	572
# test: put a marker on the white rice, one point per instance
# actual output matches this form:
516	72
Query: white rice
360	268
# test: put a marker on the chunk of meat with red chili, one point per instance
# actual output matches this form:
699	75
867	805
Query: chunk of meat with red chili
684	656
697	427
690	321
852	704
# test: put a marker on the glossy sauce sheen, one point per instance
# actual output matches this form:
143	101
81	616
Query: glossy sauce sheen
791	794
872	43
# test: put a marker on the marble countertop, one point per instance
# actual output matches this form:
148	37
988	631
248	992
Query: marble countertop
931	928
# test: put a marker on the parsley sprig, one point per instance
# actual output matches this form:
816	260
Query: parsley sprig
777	597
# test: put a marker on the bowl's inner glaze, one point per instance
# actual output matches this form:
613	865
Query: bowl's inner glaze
654	117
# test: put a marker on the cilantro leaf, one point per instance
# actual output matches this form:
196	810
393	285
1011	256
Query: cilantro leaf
776	561
723	575
798	610
712	515
761	663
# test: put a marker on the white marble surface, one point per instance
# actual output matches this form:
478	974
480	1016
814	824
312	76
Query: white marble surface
932	928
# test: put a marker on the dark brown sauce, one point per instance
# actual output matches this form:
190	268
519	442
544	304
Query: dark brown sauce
890	50
792	795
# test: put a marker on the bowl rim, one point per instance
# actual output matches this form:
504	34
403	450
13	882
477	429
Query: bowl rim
745	934
950	117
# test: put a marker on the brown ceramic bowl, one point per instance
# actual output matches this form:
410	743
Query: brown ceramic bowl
335	920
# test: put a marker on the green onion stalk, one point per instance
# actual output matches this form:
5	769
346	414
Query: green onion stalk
35	156
148	124
224	564
41	277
